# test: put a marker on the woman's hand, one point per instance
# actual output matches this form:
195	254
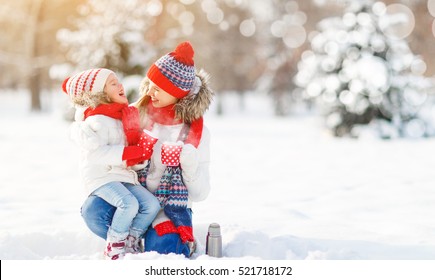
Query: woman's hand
189	160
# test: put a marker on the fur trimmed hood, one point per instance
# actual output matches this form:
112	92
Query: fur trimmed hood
192	106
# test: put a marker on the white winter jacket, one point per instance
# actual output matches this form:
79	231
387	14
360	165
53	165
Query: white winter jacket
198	184
102	142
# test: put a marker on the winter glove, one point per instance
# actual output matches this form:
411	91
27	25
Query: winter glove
165	228
133	155
156	161
186	234
131	123
138	153
189	160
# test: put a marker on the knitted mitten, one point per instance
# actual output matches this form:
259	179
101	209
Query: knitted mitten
165	228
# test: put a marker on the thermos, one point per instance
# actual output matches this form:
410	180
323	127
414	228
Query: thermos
213	246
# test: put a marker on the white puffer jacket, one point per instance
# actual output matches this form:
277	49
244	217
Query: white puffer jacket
102	142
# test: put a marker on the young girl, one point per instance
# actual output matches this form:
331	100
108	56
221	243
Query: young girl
174	100
107	156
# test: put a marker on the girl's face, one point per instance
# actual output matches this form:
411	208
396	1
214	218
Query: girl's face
114	90
159	97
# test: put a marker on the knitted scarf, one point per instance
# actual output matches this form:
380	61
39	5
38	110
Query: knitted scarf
171	192
172	195
112	110
167	116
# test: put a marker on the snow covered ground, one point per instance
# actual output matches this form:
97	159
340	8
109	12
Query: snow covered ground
282	188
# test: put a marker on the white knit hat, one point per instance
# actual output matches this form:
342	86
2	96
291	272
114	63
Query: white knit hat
89	81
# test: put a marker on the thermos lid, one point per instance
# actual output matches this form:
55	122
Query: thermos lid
214	229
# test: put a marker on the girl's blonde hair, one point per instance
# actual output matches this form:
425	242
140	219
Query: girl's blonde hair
91	99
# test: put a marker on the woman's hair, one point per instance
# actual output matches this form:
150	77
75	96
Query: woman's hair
143	101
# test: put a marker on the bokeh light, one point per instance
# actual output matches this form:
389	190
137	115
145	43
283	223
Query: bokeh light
278	28
415	128
247	28
186	18
418	67
155	8
431	7
433	27
187	2
379	8
349	19
295	37
215	16
398	21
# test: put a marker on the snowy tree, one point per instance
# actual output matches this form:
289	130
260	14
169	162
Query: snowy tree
112	34
26	44
360	73
225	33
282	34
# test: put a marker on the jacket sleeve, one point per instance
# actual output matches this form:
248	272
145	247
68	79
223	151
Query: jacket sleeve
93	138
198	185
84	136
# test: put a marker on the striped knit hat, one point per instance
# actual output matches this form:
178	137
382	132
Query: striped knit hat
91	81
175	71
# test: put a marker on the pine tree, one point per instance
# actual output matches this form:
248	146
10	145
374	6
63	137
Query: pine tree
360	75
111	34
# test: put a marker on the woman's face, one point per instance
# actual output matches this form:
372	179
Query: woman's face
159	97
114	90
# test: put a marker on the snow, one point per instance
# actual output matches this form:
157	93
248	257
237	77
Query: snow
282	188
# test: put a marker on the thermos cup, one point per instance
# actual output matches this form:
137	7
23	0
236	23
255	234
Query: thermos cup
214	241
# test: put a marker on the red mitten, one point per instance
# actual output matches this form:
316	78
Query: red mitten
135	161
165	228
132	137
131	123
138	153
133	155
131	152
186	233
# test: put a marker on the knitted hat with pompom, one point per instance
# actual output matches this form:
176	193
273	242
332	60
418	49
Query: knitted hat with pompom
86	88
175	71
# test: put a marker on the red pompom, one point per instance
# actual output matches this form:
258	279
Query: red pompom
184	53
64	85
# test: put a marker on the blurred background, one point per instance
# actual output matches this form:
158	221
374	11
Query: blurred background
356	63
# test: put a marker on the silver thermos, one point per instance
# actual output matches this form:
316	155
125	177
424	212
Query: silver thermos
213	246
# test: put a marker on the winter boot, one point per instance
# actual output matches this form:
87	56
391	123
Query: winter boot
134	245
192	247
115	249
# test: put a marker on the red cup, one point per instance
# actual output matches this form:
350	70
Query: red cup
171	153
148	139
